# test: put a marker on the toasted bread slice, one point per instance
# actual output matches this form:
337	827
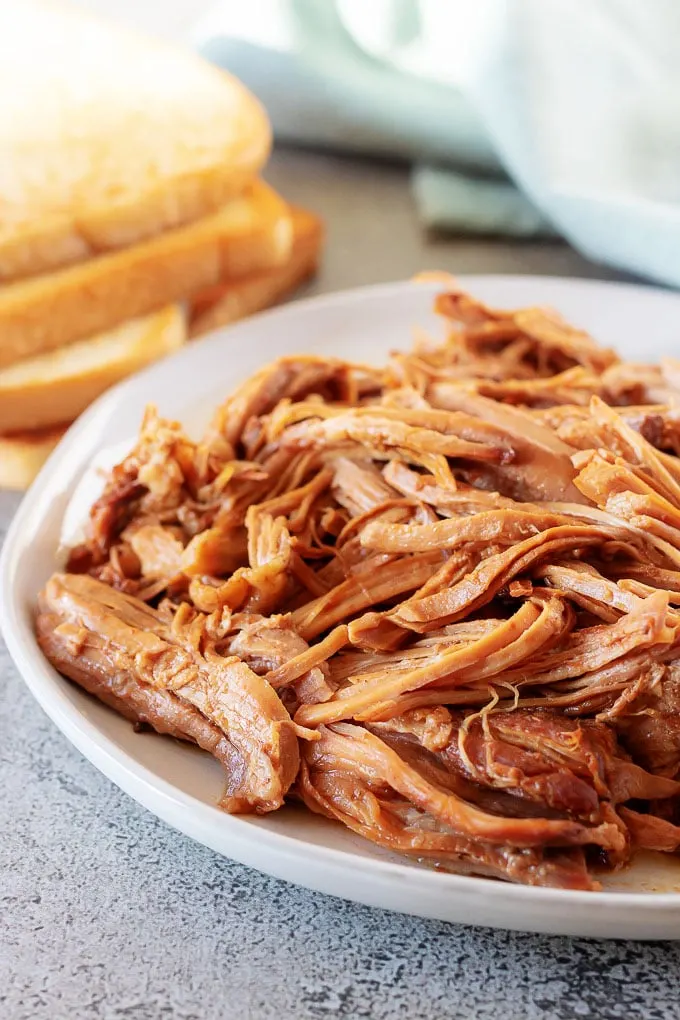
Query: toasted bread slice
22	454
235	299
56	387
250	233
109	138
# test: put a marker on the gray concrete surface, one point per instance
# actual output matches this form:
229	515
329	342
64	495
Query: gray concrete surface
107	913
374	236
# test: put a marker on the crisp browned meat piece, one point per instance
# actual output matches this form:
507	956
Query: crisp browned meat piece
573	387
541	467
541	336
500	527
158	550
103	630
388	579
589	589
273	649
534	625
647	718
359	486
395	824
357	751
89	665
463	500
480	585
153	479
379	435
530	756
354	755
592	648
565	763
288	378
649	832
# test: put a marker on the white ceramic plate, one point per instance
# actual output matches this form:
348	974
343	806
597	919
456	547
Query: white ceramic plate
182	785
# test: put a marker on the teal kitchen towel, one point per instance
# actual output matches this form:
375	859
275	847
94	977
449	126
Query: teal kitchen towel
522	117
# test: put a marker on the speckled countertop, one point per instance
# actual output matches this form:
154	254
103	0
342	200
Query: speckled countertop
107	913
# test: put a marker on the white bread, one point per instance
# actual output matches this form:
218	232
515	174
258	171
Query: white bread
22	454
251	232
232	300
108	138
56	387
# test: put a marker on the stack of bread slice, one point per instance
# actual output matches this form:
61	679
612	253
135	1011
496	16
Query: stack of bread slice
132	215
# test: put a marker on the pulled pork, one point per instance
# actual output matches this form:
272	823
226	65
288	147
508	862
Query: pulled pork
439	602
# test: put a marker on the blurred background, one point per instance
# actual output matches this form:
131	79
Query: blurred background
361	92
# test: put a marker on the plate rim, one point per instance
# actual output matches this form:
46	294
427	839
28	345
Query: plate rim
143	785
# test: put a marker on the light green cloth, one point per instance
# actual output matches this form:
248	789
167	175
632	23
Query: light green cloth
321	87
577	102
449	201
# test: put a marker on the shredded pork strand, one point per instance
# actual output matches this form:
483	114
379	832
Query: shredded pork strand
438	601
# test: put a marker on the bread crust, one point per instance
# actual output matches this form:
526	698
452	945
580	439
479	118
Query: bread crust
250	233
58	386
230	300
22	454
